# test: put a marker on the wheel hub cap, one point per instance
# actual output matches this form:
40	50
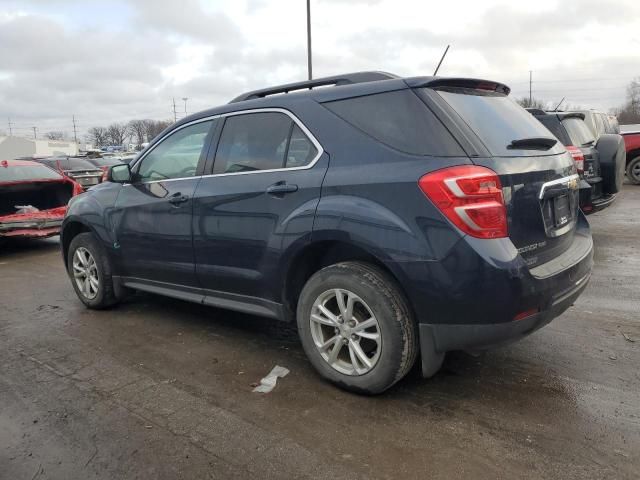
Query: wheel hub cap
85	273
346	332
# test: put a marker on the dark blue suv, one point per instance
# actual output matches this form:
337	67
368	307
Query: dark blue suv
388	216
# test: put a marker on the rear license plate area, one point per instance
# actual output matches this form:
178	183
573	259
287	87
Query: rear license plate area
561	210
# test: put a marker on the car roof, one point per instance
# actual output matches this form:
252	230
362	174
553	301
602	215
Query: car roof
333	88
18	163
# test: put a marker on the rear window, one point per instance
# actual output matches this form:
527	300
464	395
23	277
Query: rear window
105	161
400	120
18	173
578	131
554	126
496	119
79	164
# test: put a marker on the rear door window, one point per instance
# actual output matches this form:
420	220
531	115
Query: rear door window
578	131
497	120
262	141
400	120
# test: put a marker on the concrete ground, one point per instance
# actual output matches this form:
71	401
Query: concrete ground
161	389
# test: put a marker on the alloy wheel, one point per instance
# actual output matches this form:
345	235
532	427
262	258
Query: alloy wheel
85	273
346	332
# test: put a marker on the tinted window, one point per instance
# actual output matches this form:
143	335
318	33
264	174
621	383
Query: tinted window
554	126
400	120
578	131
105	161
176	156
301	151
255	141
79	164
495	118
17	173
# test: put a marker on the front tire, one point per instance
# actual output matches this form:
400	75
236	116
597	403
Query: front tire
633	171
90	270
356	327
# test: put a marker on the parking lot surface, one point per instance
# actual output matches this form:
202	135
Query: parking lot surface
159	388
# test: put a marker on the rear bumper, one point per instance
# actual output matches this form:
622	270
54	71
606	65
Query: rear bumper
591	197
35	228
477	337
471	298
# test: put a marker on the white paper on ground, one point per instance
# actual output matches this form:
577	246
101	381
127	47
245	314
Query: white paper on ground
268	383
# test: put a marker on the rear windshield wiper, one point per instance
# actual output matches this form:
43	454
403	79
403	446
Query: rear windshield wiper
588	144
533	143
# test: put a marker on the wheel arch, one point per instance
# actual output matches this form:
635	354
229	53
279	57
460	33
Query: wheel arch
632	154
71	228
324	252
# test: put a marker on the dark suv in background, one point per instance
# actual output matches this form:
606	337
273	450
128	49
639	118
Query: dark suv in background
388	216
600	159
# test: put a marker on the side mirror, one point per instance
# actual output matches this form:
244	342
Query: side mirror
119	173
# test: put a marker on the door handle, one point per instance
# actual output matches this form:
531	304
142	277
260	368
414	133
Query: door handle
281	188
178	198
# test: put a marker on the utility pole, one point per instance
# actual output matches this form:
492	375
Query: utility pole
10	130
530	89
75	133
309	69
35	135
175	115
185	105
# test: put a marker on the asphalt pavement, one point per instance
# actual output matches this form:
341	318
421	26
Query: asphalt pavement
162	389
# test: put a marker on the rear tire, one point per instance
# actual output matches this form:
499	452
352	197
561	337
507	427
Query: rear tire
365	348
633	171
89	270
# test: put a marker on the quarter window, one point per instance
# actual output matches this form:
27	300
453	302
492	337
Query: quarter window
262	141
177	156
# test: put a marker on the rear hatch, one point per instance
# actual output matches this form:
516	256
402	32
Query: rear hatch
538	177
582	137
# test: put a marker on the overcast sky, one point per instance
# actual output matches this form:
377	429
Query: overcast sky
114	60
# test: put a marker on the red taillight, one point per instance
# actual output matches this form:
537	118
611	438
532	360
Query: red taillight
105	173
578	157
526	314
470	197
77	189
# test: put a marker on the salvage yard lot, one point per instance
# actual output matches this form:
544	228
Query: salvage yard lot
159	388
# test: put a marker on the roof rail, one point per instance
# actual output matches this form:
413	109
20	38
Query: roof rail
345	79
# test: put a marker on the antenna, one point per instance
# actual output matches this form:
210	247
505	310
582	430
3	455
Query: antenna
441	59
558	106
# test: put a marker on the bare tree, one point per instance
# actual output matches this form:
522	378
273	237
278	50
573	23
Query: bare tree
54	135
629	113
98	136
117	133
533	103
154	127
138	131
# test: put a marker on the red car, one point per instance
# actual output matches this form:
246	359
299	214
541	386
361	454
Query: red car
632	146
33	199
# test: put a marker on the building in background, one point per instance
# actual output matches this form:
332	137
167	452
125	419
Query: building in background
16	147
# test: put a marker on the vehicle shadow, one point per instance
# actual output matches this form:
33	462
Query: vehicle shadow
13	246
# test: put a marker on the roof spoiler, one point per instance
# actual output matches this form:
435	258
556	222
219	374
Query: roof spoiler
345	79
564	115
473	83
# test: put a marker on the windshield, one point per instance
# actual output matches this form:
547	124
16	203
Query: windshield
497	120
18	173
578	131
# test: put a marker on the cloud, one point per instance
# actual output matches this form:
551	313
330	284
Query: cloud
113	60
